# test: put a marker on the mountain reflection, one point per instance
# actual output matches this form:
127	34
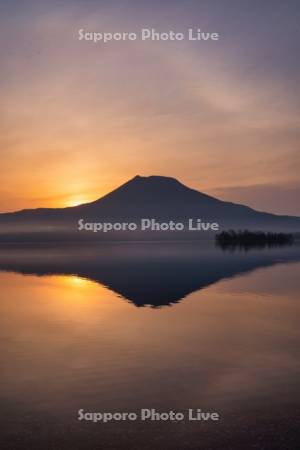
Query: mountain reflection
154	274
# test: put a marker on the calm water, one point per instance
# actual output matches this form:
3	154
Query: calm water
120	327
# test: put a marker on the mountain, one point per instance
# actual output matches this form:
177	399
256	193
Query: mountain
155	197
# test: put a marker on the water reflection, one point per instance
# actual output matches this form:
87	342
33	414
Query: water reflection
68	342
153	274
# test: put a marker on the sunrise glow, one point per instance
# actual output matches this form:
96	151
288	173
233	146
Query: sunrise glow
77	201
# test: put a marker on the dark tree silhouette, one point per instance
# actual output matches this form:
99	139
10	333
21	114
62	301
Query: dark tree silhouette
247	239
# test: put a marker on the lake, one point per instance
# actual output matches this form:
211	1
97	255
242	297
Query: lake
122	327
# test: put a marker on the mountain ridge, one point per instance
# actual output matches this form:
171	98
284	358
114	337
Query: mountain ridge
158	197
132	182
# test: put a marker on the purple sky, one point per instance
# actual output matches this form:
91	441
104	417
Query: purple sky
78	118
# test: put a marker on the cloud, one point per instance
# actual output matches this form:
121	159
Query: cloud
277	199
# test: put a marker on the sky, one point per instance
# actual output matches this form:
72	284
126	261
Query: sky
78	118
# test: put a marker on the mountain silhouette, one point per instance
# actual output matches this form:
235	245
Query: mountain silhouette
154	274
157	197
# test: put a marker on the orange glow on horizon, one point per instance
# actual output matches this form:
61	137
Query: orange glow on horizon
77	201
